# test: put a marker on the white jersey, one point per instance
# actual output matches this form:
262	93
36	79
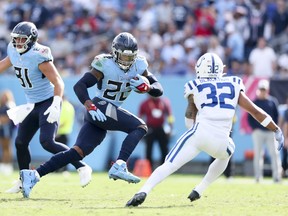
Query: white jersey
216	99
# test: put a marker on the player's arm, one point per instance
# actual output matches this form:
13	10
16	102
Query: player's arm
256	112
191	112
5	64
262	117
51	73
156	89
88	80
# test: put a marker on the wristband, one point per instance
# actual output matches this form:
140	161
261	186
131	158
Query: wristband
266	121
92	107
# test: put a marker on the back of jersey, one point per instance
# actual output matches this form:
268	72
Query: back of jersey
216	99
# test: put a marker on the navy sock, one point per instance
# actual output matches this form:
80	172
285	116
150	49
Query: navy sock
130	143
58	161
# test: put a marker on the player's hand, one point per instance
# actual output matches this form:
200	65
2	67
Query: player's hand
139	84
96	113
279	138
54	110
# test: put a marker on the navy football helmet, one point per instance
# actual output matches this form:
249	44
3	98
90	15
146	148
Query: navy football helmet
124	50
24	35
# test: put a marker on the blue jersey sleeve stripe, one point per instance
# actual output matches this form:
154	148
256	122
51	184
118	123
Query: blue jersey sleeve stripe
190	86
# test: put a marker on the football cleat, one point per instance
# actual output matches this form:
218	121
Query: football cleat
29	178
194	195
16	188
137	199
121	172
85	174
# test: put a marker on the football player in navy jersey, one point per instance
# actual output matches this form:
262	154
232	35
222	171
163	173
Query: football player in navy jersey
212	101
115	75
43	88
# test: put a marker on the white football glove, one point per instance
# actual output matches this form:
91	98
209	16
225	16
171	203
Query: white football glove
279	138
96	113
54	110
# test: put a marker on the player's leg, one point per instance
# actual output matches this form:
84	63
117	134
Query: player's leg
135	128
183	152
26	131
221	150
88	138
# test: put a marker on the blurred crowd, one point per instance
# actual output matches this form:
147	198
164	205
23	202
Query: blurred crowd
249	35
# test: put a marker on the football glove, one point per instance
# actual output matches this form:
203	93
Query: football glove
139	84
96	113
279	138
54	110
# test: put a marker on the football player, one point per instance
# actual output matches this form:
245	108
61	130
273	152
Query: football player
212	101
43	88
115	75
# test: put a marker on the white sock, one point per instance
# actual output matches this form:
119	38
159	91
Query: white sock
157	176
215	169
120	162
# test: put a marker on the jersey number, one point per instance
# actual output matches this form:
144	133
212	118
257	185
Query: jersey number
215	100
112	93
22	75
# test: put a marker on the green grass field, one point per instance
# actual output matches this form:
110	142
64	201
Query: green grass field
57	194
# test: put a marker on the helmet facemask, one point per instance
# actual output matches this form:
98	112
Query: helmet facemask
125	59
124	50
20	42
23	36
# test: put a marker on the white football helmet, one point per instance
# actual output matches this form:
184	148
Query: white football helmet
209	65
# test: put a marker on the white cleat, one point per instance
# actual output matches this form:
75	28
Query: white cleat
16	188
85	174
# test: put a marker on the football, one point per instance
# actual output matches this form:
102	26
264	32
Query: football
145	80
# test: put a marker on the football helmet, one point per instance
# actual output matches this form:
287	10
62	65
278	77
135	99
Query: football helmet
24	35
124	50
209	65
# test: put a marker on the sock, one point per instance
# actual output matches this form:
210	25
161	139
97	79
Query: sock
158	176
130	143
215	170
120	162
58	161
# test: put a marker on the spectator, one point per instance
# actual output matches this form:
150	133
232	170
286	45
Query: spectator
263	60
6	132
261	136
157	113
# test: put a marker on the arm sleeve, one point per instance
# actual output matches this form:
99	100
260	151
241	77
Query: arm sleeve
156	89
80	88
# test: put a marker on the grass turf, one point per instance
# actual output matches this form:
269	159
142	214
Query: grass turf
58	194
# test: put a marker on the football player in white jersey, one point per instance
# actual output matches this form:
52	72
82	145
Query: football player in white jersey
212	101
116	75
43	88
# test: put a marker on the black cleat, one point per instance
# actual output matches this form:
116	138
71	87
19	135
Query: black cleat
194	195
137	199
